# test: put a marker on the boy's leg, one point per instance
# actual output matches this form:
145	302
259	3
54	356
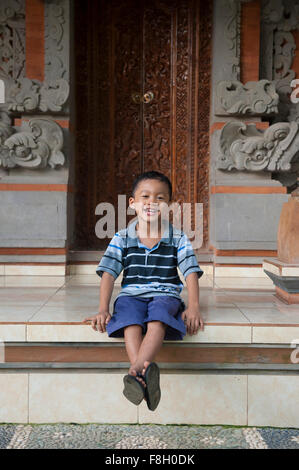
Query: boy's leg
150	346
133	340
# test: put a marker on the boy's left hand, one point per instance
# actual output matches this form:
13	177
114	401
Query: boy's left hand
193	320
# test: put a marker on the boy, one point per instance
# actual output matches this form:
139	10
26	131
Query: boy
149	302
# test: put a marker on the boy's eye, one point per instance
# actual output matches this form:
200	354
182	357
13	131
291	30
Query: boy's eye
159	197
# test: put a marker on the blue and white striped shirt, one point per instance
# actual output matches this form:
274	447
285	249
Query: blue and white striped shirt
149	271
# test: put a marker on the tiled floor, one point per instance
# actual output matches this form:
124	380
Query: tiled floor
71	299
95	436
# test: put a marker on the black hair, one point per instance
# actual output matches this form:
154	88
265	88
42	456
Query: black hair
152	175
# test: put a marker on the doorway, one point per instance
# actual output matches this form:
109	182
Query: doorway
142	79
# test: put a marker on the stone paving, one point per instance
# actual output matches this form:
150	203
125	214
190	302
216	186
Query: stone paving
100	436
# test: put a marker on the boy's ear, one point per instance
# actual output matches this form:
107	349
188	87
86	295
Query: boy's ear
131	203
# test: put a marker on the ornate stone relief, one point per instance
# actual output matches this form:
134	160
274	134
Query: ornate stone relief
56	54
10	9
27	95
23	94
244	147
231	10
37	146
12	38
279	19
254	98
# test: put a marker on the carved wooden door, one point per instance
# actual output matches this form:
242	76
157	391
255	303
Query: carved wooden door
137	100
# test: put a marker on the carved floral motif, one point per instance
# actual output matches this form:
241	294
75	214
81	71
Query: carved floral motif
280	18
245	147
12	38
30	95
55	43
27	95
38	146
254	98
10	9
232	38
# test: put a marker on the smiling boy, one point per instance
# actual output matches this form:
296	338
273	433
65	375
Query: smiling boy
149	251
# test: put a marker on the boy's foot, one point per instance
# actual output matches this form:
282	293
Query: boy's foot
152	390
139	375
133	389
146	364
149	379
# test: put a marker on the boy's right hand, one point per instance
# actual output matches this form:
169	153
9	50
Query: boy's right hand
99	321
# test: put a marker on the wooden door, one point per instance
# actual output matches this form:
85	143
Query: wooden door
127	49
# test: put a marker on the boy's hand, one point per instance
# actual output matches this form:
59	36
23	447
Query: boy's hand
99	321
193	320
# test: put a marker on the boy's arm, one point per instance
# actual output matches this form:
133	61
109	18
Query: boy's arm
191	315
99	321
106	289
193	289
108	269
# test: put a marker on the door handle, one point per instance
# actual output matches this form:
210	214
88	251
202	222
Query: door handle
146	98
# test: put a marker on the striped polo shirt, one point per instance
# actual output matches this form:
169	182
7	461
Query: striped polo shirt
149	271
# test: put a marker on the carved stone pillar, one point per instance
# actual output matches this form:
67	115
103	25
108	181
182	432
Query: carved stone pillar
35	142
255	140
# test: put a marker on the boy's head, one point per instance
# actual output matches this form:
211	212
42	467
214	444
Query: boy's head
153	175
151	192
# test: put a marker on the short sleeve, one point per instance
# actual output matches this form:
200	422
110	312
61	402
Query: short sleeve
112	260
187	262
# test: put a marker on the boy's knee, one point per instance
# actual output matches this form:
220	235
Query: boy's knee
154	324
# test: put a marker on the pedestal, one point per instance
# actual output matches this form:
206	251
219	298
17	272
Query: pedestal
284	270
285	278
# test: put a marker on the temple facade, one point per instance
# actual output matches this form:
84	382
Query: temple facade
93	93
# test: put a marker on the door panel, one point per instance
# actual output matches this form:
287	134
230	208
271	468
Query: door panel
134	47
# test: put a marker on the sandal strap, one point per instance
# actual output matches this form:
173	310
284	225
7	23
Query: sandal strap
140	376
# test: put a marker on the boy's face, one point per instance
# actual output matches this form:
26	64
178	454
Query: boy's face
151	197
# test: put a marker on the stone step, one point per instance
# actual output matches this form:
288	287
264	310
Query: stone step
238	398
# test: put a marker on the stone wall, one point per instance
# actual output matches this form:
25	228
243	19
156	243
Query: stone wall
254	125
35	140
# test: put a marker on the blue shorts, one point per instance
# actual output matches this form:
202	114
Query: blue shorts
130	310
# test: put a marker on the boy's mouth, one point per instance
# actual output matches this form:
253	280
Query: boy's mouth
151	212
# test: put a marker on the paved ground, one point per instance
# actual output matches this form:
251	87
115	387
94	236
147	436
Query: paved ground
97	436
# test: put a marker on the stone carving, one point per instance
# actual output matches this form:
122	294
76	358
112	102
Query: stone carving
56	58
244	147
279	19
27	95
10	8
284	52
282	14
272	11
37	146
232	26
12	38
2	92
254	98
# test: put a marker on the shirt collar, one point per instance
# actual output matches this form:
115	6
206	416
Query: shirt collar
133	239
